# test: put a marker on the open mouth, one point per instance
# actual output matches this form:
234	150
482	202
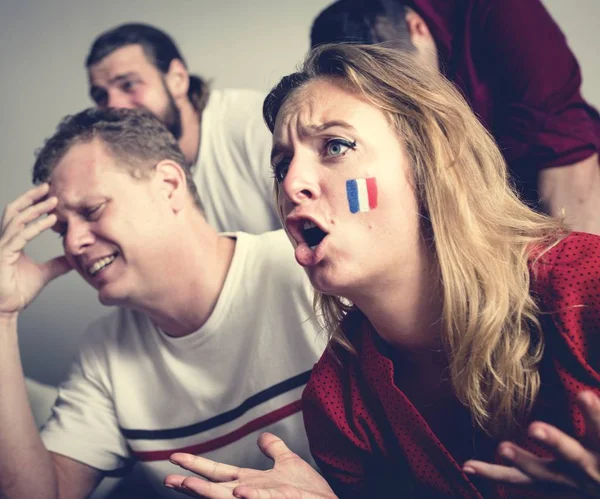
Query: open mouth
102	264
312	234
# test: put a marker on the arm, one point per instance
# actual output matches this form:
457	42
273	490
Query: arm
540	120
574	189
27	469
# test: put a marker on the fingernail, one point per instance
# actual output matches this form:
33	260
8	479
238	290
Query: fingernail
469	470
168	486
507	452
539	433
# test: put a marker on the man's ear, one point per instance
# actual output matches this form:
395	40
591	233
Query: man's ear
422	39
417	27
171	183
177	79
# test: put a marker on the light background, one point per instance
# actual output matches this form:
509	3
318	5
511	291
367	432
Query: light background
236	43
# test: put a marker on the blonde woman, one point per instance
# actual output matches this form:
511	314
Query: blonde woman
466	317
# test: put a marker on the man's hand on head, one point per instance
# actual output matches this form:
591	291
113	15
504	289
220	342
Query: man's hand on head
21	278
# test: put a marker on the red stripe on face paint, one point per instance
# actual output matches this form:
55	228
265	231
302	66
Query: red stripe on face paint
222	441
372	192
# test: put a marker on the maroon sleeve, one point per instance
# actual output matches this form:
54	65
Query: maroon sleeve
540	118
340	452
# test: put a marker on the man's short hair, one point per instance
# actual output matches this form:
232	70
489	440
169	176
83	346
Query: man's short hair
363	21
135	137
160	49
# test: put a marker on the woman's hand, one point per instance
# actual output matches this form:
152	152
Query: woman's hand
575	464
291	477
21	279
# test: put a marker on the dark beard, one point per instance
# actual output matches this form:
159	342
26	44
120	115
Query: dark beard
171	117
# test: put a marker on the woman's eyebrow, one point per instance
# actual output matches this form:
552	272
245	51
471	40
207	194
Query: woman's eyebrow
309	131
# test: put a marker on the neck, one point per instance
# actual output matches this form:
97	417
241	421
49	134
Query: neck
191	282
190	138
406	311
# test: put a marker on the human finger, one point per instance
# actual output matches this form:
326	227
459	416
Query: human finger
12	248
279	492
580	464
213	470
537	468
23	201
197	487
26	216
496	472
272	446
589	404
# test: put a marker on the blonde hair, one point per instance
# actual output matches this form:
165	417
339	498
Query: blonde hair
482	235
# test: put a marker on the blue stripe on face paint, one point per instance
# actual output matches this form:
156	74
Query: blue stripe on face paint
352	193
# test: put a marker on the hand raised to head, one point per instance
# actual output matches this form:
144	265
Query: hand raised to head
291	477
21	279
575	465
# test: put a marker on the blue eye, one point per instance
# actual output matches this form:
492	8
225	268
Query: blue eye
338	147
280	170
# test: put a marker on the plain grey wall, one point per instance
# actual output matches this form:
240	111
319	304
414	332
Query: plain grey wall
236	43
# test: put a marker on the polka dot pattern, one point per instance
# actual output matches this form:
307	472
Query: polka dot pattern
370	440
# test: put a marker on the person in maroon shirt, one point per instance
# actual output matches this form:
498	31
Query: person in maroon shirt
513	65
467	318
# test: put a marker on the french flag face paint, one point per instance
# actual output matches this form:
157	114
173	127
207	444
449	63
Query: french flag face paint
362	194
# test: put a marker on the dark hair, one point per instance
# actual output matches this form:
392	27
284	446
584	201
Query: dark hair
135	137
160	49
363	21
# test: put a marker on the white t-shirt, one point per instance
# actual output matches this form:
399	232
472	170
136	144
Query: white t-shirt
136	394
233	172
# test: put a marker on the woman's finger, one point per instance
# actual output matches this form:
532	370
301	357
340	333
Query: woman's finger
196	487
272	446
537	468
496	472
212	470
589	404
579	462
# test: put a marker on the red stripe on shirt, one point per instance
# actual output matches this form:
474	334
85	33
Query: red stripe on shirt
222	441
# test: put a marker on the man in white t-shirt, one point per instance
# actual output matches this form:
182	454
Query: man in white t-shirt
212	338
221	132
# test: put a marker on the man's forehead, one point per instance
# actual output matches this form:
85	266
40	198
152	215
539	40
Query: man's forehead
80	167
130	58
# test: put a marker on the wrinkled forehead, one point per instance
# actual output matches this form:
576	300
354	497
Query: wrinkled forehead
315	101
324	101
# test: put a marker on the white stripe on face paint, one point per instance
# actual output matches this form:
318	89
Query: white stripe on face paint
363	195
